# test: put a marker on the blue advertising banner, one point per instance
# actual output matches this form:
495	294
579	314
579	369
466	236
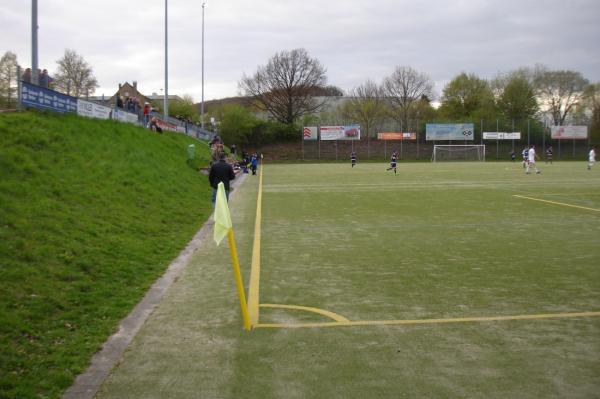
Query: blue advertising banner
38	97
450	131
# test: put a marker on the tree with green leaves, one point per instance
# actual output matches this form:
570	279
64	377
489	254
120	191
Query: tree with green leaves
285	88
8	80
74	76
559	92
518	99
591	100
184	108
467	97
404	89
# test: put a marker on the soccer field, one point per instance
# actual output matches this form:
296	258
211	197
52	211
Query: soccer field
435	241
497	272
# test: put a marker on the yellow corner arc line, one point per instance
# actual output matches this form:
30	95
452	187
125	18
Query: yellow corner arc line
326	313
253	288
430	321
557	203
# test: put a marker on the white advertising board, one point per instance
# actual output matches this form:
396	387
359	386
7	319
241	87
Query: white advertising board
92	110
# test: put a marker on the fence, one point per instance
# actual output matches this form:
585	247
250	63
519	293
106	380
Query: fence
369	147
33	96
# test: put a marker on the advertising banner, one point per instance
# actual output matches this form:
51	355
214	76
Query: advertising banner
450	131
396	136
310	133
569	132
38	97
92	110
501	136
166	125
123	116
340	132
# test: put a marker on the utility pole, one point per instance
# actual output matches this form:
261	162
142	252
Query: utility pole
34	42
202	102
166	99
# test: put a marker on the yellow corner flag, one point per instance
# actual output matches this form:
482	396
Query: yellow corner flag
222	216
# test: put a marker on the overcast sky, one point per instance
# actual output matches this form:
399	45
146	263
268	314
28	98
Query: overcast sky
123	40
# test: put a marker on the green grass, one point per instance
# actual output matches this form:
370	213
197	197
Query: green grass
92	212
436	241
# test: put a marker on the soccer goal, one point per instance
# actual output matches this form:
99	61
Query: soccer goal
458	152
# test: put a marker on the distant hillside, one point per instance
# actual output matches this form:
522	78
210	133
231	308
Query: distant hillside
92	212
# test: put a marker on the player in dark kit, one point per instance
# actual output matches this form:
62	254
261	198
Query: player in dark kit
353	158
393	162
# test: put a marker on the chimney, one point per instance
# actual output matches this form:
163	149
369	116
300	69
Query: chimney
135	85
119	86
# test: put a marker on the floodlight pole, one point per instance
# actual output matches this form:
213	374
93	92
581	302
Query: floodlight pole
202	102
34	42
166	98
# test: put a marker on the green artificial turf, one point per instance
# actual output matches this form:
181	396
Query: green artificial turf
92	212
442	240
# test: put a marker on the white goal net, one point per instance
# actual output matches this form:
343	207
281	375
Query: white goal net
458	152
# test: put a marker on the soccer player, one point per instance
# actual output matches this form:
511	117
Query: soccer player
549	153
531	155
592	158
393	162
525	157
353	158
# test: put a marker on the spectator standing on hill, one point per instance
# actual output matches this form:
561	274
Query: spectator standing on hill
353	158
549	153
45	79
146	114
531	155
26	76
220	171
592	158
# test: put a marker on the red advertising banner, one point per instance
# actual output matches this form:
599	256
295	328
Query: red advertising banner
396	136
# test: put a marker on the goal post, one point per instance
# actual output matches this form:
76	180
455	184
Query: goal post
458	152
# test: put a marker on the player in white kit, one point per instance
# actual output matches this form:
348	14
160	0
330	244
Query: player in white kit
531	155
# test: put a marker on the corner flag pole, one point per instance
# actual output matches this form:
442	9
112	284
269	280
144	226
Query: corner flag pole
224	227
238	280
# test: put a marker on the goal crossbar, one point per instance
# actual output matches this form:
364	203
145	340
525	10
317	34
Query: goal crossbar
458	152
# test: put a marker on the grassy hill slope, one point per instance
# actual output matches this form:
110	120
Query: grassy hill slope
91	213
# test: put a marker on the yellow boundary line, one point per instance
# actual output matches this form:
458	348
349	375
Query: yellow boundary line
255	268
340	321
557	203
429	321
326	313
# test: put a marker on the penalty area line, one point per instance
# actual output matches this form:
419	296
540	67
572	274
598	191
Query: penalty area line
557	203
429	321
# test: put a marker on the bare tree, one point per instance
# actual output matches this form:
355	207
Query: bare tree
74	76
559	92
8	76
285	87
404	89
365	106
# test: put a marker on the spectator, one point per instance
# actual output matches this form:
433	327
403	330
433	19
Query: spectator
220	171
154	125
27	76
44	79
146	114
120	102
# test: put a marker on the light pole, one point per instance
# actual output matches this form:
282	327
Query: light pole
202	102
34	42
166	98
